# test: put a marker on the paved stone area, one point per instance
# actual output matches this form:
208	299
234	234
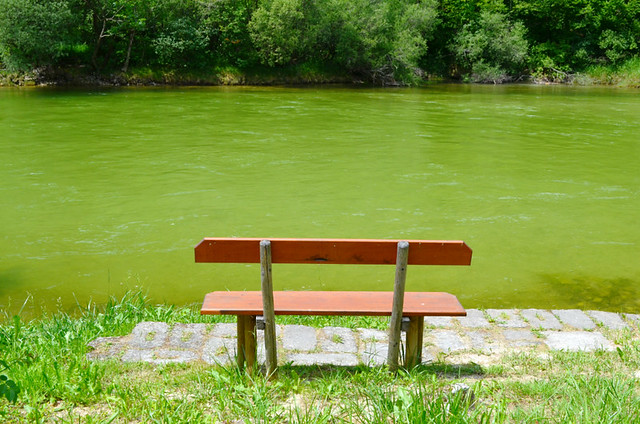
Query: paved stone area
482	335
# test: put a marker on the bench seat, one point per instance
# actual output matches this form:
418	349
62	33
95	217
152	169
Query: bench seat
356	303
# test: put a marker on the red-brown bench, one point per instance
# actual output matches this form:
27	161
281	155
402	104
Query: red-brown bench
247	305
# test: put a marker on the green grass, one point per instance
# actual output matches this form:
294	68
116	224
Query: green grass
626	74
46	360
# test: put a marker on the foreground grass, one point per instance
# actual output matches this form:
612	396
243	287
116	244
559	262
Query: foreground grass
46	360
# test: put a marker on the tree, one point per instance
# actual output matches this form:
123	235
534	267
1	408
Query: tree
36	33
491	48
277	29
383	40
228	24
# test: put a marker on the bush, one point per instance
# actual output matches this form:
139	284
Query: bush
35	33
492	48
383	40
278	32
617	46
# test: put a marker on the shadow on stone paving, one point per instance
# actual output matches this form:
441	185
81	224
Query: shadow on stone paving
440	369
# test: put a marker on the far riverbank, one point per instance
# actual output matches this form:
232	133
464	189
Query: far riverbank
625	76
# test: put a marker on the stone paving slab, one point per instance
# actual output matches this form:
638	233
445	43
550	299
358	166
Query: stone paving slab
475	319
577	340
608	319
541	319
575	318
485	334
506	318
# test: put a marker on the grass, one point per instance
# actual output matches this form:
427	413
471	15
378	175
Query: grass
626	74
46	360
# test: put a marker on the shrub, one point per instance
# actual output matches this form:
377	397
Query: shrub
492	48
34	33
278	32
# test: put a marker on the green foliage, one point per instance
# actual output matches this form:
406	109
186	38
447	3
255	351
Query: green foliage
617	46
384	42
8	388
35	33
182	44
492	47
278	31
573	34
230	38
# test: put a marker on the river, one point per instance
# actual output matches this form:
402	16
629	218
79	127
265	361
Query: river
108	190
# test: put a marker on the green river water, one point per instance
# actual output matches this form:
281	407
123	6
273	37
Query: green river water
103	191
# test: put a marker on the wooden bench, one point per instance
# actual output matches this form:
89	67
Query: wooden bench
247	305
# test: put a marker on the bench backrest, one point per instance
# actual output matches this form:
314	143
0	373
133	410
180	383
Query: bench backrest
332	251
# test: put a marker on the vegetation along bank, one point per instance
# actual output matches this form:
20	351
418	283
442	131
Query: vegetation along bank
382	42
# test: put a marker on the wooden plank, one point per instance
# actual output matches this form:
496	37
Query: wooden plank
332	303
267	309
334	251
396	307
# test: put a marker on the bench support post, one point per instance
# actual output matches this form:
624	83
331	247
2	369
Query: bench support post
415	335
247	346
395	329
268	309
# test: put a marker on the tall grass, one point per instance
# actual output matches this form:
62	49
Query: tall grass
626	74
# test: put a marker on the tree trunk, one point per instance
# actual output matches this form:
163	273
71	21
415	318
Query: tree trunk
94	56
126	61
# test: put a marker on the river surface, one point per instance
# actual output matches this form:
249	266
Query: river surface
104	191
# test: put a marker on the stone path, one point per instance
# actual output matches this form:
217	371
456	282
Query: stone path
481	337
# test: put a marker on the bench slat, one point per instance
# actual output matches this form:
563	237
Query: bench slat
336	251
332	303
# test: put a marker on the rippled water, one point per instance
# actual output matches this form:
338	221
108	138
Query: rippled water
108	190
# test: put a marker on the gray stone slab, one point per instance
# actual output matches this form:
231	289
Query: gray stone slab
107	347
427	357
225	330
137	355
165	356
447	340
375	354
299	337
159	356
577	341
149	335
574	318
369	334
539	318
338	339
609	320
520	338
633	318
219	350
187	336
438	321
340	359
482	341
518	335
506	318
474	319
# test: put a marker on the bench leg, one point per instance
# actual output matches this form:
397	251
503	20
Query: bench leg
415	334
246	351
